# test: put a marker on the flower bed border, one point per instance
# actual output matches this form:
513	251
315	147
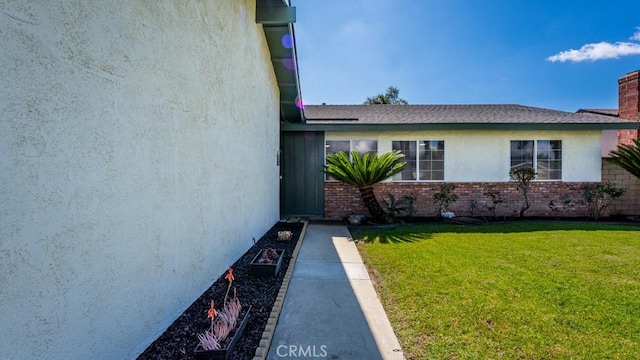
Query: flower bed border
267	335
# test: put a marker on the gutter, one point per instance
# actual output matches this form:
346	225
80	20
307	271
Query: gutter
629	125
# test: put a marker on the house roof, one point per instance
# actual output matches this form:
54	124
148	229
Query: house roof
452	117
608	112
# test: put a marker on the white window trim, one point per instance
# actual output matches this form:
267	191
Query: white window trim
535	157
418	163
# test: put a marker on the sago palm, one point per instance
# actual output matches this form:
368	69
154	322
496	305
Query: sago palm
363	171
628	157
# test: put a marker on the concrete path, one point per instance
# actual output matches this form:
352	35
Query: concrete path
331	309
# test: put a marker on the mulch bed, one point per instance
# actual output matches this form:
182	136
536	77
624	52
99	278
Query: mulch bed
180	339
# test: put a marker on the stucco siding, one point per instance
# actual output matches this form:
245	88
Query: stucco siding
138	145
484	156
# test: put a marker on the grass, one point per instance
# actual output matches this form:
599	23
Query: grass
520	290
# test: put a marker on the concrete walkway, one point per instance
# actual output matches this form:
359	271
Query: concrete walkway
331	309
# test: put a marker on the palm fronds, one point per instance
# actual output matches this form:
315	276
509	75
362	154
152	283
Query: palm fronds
627	157
363	170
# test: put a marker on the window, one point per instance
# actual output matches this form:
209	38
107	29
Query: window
333	147
360	146
408	149
544	156
364	146
521	153
549	159
425	160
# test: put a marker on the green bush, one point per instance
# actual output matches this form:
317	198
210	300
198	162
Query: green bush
597	198
444	198
399	207
523	176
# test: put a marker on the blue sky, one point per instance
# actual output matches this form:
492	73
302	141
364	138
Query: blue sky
561	54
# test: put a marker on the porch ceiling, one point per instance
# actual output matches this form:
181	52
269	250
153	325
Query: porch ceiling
277	18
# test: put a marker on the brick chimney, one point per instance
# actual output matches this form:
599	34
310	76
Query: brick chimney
629	104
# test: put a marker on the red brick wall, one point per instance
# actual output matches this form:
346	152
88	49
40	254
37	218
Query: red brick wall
342	200
628	104
627	136
629	96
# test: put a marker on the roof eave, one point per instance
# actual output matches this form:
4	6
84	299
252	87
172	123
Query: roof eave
277	19
461	126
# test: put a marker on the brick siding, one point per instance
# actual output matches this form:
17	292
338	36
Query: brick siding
342	200
629	96
628	104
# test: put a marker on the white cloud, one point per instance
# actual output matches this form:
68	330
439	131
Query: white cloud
599	51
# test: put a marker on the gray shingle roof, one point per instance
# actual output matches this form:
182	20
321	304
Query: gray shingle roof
608	112
449	114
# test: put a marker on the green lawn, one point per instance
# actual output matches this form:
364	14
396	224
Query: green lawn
521	290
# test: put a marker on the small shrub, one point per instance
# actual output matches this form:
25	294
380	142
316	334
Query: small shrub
284	235
444	198
492	208
564	204
268	256
399	207
597	198
523	176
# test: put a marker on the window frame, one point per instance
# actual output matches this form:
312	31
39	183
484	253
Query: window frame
536	160
351	142
418	161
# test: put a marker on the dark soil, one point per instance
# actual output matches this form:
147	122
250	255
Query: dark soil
180	339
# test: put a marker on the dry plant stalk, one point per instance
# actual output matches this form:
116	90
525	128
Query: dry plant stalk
223	321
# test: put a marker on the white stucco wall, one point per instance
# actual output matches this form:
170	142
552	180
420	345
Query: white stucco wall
484	156
138	146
